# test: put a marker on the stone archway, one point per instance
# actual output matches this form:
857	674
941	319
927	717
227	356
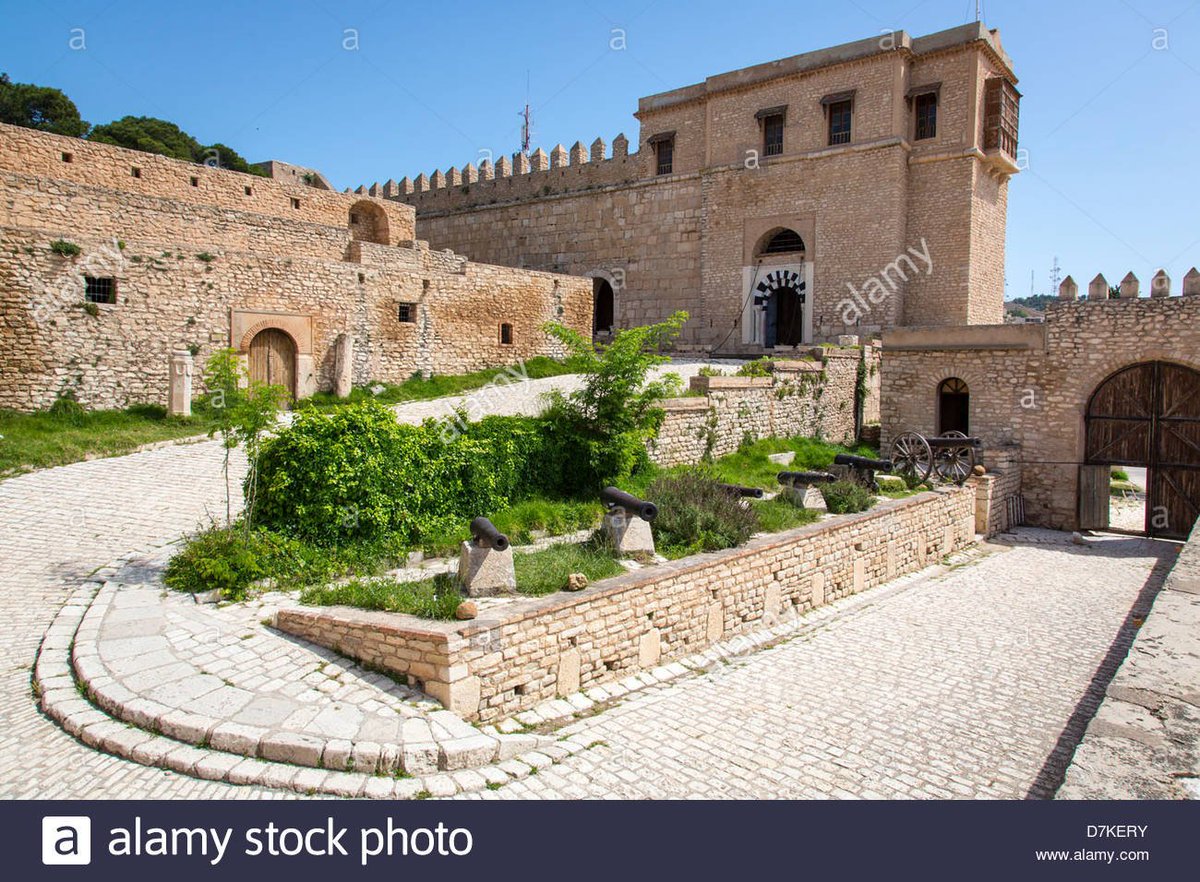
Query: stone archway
603	306
368	223
246	326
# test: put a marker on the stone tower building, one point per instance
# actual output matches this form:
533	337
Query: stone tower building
847	190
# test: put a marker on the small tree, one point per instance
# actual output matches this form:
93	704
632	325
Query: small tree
244	410
616	410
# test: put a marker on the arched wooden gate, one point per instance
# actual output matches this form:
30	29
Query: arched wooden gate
273	359
1147	414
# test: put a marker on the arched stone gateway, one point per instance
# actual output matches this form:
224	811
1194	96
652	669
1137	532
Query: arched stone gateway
1145	415
953	406
776	308
603	306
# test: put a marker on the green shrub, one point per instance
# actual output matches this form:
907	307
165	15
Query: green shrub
435	598
64	248
757	368
355	474
68	410
231	559
1119	474
695	514
846	497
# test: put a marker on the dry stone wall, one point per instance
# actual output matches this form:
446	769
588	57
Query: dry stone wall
518	654
185	264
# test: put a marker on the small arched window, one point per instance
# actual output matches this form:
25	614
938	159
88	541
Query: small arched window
954	406
784	242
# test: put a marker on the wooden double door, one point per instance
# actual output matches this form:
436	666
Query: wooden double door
1147	414
273	359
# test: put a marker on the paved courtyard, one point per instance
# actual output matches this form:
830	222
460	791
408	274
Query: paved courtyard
957	684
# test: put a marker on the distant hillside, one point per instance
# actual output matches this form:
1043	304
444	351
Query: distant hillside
1037	301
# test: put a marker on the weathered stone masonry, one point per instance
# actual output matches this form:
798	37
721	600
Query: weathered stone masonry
695	237
203	258
516	655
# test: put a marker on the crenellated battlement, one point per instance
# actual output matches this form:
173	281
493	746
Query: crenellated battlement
1129	287
523	177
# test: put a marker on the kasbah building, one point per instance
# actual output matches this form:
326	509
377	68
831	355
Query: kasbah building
834	197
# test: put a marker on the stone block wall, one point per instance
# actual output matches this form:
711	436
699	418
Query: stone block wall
815	398
516	655
186	264
1030	384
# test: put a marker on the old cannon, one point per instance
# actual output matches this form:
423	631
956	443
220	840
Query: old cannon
804	479
486	535
742	492
863	468
951	456
631	505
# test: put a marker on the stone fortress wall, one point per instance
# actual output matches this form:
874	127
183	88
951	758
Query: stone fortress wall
200	257
1030	384
691	239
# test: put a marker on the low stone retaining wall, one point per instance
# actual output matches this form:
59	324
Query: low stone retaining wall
999	491
1144	741
517	654
816	397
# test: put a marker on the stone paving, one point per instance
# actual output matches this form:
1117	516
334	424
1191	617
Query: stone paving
958	686
965	684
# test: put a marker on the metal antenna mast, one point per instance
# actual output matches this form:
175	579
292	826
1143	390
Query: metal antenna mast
527	121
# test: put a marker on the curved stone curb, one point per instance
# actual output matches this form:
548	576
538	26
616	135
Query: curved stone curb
65	700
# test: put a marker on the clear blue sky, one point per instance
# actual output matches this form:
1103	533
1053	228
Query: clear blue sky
1109	120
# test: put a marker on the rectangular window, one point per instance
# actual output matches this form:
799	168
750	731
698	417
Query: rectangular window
840	116
295	203
506	334
664	156
925	108
407	312
249	192
96	290
67	157
773	135
135	171
195	182
1001	110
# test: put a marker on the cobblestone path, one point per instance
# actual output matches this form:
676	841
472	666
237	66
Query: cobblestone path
955	686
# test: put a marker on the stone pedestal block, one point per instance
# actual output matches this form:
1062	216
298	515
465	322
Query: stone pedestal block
628	535
484	572
805	497
179	393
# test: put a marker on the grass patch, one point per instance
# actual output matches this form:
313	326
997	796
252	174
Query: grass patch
750	466
546	571
435	598
555	517
417	388
63	435
778	514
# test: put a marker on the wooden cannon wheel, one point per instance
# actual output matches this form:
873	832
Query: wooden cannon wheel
912	457
954	462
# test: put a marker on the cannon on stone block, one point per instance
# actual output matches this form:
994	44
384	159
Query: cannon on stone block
862	468
742	492
804	479
485	563
627	523
486	535
951	456
628	503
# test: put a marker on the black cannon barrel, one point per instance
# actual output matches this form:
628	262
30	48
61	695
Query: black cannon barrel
484	533
740	491
863	462
614	498
791	478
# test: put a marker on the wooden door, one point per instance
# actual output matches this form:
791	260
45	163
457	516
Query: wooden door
1093	497
273	359
1149	415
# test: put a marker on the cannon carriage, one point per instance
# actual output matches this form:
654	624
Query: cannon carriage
952	456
